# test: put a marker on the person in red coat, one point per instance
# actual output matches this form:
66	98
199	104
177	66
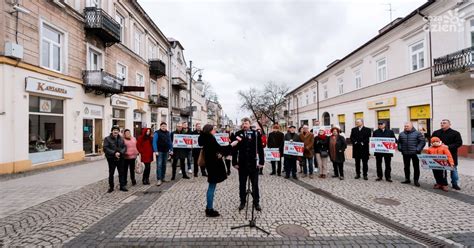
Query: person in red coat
145	148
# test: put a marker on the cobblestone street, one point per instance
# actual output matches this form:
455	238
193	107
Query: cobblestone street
331	212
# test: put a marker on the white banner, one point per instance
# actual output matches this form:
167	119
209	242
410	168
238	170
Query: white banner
432	161
195	138
182	141
272	154
293	148
327	130
382	145
223	139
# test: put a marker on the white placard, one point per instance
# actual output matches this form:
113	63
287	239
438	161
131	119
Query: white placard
272	154
182	141
195	138
432	161
327	130
382	145
293	148
223	139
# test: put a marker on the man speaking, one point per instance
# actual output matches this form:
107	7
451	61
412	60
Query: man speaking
248	149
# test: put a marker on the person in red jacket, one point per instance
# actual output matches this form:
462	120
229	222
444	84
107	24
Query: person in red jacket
264	144
145	148
441	177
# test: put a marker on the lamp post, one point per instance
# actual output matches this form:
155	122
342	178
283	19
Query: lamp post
199	86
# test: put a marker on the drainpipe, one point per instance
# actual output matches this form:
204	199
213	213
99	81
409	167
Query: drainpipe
431	69
317	95
297	112
170	89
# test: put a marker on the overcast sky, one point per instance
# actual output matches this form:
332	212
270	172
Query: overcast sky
244	43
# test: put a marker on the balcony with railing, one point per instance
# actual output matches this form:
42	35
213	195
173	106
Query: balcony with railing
101	82
185	111
98	22
158	101
455	65
157	67
179	83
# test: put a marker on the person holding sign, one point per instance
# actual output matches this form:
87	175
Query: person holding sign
307	161
276	140
383	132
247	151
337	147
321	151
290	160
440	176
360	138
179	153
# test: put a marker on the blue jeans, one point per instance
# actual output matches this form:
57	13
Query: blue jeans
210	195
454	176
308	162
161	161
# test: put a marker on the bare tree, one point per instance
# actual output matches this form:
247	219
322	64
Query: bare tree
252	101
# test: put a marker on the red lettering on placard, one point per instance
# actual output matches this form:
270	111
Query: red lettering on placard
225	139
276	154
441	162
188	141
299	149
390	145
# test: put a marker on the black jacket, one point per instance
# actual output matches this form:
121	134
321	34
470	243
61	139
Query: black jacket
227	150
321	145
246	152
113	145
360	142
180	153
341	146
215	167
452	139
196	151
276	140
411	142
291	137
386	133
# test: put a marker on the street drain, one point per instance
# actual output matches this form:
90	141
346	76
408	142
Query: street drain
387	201
292	231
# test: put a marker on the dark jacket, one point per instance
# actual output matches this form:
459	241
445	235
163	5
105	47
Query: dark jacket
246	152
215	167
180	153
341	146
411	142
386	133
196	151
292	137
276	140
321	145
113	145
360	142
452	139
162	141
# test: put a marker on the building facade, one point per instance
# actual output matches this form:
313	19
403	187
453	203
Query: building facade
69	71
418	68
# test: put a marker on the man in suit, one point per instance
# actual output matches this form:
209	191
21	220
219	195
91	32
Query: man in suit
383	132
247	151
360	137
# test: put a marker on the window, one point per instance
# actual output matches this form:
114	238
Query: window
153	87
152	50
472	32
45	127
140	82
52	43
381	70
121	20
93	3
137	45
307	99
95	59
417	55
358	79
325	91
122	73
340	85
163	91
314	96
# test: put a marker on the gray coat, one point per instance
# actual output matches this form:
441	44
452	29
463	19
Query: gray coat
411	142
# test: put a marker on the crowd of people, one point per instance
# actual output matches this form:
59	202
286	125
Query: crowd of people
245	152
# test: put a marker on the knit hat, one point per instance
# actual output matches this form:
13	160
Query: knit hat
435	139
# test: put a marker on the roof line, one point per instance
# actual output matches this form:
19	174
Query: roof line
406	18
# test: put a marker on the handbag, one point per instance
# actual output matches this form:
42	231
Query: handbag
324	154
139	165
201	160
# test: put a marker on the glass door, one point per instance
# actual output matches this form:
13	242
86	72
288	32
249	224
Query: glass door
88	136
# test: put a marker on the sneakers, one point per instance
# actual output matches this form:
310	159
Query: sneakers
190	171
158	183
212	213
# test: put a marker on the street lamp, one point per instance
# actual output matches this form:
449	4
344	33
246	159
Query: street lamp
199	86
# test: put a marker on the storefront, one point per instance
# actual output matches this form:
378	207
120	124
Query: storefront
342	122
384	115
358	115
120	107
46	119
92	135
420	116
137	123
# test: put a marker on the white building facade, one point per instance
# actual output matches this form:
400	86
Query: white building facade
416	69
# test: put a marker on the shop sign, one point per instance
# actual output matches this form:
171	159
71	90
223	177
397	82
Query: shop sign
36	85
119	102
388	102
93	111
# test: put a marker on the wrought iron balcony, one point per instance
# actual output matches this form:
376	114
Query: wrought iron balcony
185	112
103	25
458	62
157	67
179	83
158	101
101	82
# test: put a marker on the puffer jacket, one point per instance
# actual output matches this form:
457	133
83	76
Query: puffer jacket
411	142
441	150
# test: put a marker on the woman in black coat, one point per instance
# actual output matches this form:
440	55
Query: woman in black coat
215	166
